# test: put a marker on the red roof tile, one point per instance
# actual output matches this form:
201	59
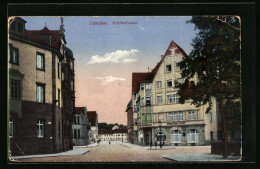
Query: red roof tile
33	35
80	110
92	116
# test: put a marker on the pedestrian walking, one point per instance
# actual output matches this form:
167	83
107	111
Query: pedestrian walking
155	143
109	141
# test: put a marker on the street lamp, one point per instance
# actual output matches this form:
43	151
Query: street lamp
160	125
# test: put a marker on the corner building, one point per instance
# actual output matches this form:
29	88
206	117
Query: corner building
34	89
157	113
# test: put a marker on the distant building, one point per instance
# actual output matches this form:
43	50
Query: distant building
113	135
130	122
34	89
157	113
93	120
81	127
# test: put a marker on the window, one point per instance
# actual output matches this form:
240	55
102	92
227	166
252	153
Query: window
193	136
176	114
11	127
147	86
135	108
13	55
71	65
76	133
58	67
149	118
180	115
175	98
77	121
171	116
71	85
59	97
176	136
20	27
148	101
40	92
159	84
12	26
40	59
135	121
62	76
159	100
192	115
169	98
169	83
15	89
40	128
142	86
168	68
143	118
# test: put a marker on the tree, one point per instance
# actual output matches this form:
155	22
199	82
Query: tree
213	66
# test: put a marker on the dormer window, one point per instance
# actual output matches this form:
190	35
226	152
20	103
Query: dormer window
20	27
17	25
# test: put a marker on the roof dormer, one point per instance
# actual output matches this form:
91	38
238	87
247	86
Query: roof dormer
17	25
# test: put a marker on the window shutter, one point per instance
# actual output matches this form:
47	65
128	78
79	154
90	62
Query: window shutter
17	56
11	52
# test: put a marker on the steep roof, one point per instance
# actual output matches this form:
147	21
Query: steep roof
92	117
34	35
137	78
80	110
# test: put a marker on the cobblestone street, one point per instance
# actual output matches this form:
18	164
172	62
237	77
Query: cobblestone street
116	152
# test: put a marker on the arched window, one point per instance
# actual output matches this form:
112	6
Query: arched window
193	136
176	136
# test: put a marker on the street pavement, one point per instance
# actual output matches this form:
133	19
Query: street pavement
126	152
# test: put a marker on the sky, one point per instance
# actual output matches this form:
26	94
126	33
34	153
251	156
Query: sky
107	54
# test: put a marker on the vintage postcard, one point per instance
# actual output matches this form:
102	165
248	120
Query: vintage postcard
124	88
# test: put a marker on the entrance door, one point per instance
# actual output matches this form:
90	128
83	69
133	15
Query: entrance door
147	139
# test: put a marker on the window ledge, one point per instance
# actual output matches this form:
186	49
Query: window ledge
40	69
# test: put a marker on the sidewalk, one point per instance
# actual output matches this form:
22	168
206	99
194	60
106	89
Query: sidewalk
130	145
87	146
200	157
75	151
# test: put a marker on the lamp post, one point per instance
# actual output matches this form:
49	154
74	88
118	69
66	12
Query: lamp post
160	125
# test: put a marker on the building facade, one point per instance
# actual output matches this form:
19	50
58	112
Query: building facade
68	98
113	135
93	120
157	115
81	127
34	89
130	122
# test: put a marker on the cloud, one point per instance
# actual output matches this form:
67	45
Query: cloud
119	56
141	27
109	79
